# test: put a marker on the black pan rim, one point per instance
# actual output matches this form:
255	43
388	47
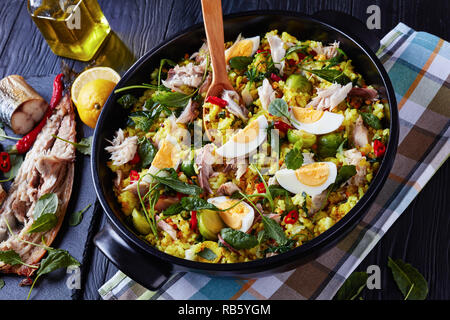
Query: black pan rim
335	232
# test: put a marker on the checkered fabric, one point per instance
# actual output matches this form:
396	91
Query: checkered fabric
418	64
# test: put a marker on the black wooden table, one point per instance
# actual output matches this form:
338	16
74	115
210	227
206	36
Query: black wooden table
420	236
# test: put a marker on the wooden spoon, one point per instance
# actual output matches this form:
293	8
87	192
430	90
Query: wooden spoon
212	18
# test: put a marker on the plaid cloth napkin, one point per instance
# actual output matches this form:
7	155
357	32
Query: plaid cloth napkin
418	64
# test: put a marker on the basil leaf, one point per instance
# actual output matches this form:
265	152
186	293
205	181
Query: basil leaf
409	280
331	75
10	257
274	231
76	217
2	283
44	223
127	101
371	120
238	239
180	186
240	63
171	99
189	204
207	254
47	204
352	287
294	159
147	152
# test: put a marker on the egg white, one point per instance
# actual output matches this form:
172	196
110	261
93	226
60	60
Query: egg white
233	149
288	180
247	220
329	122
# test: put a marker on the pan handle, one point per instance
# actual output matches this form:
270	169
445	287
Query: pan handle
350	25
148	271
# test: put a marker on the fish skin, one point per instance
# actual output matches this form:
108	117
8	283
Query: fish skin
47	167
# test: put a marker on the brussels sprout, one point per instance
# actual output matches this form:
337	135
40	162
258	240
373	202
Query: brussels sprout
328	144
299	82
295	135
140	223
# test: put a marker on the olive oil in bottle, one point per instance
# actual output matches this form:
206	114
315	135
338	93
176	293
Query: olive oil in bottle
72	28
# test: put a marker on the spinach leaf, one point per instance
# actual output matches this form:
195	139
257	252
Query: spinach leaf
10	257
352	287
294	159
207	254
409	280
76	217
189	204
171	99
147	152
240	63
44	223
84	146
371	120
238	239
331	75
47	204
180	186
127	101
274	231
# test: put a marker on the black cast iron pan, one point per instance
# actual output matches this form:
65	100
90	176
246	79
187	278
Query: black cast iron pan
151	267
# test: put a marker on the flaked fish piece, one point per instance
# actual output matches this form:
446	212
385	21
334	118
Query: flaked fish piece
277	51
329	98
190	75
329	51
47	168
21	107
360	134
231	97
266	94
122	148
227	189
190	113
354	157
204	160
364	93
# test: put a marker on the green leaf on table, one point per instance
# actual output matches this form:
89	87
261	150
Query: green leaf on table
352	287
44	223
240	63
127	101
331	75
238	239
409	280
47	204
371	120
10	257
76	217
207	254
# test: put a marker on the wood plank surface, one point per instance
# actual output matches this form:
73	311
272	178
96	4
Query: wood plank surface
420	236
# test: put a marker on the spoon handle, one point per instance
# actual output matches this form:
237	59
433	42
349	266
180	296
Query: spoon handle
212	17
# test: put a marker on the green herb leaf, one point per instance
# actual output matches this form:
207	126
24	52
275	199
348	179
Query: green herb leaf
409	280
10	257
344	173
238	239
261	236
335	60
47	204
127	101
352	287
16	163
295	48
331	75
147	152
56	259
240	63
281	248
161	65
304	207
371	120
189	204
84	146
279	108
44	223
207	254
76	217
274	231
171	99
294	159
180	186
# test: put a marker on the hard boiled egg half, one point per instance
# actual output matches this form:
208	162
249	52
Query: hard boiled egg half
311	178
240	217
246	140
168	156
316	121
242	48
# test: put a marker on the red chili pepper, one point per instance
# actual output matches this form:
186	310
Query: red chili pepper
274	77
313	53
378	148
5	162
217	101
261	188
136	159
193	221
282	126
24	144
291	217
301	56
134	176
291	62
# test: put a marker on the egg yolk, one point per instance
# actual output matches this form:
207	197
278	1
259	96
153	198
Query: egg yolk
233	217
242	49
166	156
306	115
313	174
249	133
